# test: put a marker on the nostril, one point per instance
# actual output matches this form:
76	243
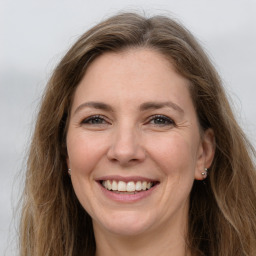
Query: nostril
125	148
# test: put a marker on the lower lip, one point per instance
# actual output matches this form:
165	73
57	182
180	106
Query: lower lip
127	198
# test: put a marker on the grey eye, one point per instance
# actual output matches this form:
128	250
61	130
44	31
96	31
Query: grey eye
161	120
94	120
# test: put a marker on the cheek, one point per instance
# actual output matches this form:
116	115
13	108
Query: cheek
174	154
175	157
84	152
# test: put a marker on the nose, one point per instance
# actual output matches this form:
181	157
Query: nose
126	148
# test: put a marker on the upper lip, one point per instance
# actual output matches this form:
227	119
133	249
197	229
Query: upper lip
126	178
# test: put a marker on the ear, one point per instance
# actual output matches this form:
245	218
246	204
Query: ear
206	153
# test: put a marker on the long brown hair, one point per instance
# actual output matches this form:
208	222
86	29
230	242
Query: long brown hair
222	214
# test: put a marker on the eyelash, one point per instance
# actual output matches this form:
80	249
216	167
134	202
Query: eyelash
91	119
165	121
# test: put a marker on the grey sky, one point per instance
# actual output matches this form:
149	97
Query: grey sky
36	34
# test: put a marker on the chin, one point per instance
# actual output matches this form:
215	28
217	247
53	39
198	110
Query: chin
127	223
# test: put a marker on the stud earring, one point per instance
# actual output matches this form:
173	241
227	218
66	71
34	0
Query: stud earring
69	172
205	173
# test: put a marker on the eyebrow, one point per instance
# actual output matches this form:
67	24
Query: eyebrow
143	107
158	105
96	105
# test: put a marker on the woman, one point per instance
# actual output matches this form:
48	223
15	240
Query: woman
136	151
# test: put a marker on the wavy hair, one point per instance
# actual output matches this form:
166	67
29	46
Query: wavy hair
222	213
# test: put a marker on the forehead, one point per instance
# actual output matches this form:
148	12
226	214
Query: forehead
135	74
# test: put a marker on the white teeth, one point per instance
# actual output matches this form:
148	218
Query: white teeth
114	185
138	186
149	185
109	186
130	186
144	185
121	186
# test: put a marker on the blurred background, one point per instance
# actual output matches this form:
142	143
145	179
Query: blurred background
36	34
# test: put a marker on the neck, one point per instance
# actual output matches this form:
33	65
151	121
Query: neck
130	246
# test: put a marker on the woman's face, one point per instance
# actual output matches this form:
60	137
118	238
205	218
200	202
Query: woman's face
134	145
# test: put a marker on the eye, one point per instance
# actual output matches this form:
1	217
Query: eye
161	120
94	120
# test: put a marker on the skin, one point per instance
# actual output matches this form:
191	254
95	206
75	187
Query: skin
126	140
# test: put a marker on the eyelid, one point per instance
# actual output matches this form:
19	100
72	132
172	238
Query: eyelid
104	120
164	117
90	118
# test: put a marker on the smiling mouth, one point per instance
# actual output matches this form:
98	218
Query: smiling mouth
130	187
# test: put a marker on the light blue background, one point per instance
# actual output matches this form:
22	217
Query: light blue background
36	34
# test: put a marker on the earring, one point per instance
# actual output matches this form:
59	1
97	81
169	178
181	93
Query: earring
205	173
69	172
